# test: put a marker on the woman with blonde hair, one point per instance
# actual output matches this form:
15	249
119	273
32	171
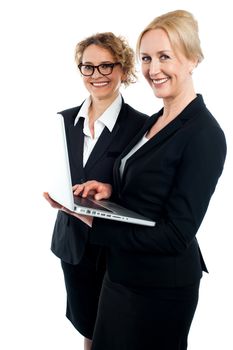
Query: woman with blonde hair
167	173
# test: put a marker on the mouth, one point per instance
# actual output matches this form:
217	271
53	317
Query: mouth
158	82
100	84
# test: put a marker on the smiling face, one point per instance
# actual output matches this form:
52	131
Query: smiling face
167	71
99	86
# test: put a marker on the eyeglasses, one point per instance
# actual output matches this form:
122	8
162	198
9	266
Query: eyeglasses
103	68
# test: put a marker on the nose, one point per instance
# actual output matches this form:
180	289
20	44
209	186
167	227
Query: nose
154	67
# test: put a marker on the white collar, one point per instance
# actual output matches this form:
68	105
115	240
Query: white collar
108	118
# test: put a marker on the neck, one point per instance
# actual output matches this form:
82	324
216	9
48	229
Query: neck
98	106
174	106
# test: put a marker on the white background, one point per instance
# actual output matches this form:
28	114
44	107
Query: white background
38	77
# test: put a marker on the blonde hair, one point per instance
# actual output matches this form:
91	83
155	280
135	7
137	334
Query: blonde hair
182	30
119	48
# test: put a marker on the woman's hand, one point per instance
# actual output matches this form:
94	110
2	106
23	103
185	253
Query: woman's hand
86	219
51	201
98	190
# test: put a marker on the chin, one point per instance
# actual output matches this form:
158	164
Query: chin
101	94
158	94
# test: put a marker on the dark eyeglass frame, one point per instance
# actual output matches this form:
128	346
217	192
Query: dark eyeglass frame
110	65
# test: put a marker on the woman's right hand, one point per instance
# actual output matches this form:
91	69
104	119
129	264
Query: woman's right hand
98	190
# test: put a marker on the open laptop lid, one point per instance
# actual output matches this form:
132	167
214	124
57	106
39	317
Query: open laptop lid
61	186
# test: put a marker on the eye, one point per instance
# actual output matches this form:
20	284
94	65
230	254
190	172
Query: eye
87	67
105	65
146	59
164	57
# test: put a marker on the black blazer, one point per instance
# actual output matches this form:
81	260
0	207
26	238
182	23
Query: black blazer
170	179
70	234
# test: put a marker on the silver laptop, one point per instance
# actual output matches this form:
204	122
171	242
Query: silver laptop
60	187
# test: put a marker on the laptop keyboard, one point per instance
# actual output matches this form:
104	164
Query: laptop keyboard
86	202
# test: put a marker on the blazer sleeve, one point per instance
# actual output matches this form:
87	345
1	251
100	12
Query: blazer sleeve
196	177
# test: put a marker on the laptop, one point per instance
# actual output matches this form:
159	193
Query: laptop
60	187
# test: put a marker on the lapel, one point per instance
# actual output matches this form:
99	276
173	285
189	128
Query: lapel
189	112
75	142
136	139
102	144
105	140
159	138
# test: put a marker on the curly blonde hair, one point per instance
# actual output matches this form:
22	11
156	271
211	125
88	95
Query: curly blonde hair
119	48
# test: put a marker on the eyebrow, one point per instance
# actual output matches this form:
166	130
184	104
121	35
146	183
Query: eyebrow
159	52
91	63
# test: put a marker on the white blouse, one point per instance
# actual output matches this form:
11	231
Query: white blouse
107	119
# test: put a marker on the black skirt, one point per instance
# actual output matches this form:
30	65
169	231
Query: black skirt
144	319
83	284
